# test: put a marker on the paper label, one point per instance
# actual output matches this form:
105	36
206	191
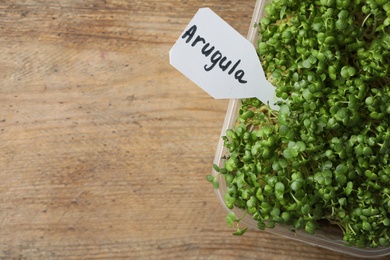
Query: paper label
220	60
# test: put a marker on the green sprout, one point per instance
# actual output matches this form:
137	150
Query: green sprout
231	218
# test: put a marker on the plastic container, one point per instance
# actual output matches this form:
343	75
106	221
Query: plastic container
329	237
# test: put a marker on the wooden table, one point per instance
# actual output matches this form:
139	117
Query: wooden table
104	147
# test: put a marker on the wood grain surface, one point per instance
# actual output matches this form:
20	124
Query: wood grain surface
104	147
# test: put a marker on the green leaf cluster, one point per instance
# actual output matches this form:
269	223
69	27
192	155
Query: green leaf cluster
325	154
